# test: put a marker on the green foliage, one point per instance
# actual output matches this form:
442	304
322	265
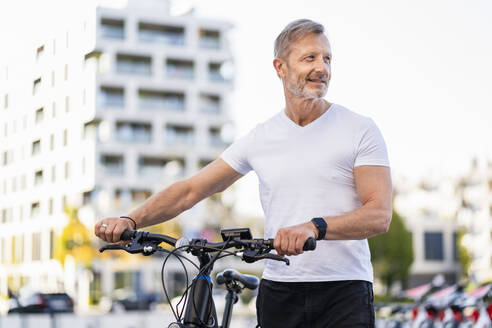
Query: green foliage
392	253
464	255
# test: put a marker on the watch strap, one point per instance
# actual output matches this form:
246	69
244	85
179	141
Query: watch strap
321	225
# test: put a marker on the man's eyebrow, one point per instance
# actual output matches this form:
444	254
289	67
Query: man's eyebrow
313	53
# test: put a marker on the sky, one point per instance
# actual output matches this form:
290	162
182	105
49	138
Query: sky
421	69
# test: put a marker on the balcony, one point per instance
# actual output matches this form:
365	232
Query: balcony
112	97
179	135
113	165
151	99
215	138
112	29
209	104
180	69
133	132
162	34
209	39
129	64
214	72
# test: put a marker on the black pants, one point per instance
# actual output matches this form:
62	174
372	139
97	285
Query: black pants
334	304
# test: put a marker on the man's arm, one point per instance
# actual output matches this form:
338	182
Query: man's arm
170	202
374	188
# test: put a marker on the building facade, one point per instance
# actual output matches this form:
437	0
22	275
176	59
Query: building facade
119	105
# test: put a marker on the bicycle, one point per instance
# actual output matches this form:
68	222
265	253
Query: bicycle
200	308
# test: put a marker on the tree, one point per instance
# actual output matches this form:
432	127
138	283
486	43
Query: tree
464	255
392	253
74	240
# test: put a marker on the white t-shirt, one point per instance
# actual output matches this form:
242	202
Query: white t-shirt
307	172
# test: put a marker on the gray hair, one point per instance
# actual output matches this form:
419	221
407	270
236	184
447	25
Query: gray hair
293	32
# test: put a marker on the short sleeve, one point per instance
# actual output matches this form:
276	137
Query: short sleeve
372	148
236	155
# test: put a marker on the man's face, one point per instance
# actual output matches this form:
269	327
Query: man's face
307	70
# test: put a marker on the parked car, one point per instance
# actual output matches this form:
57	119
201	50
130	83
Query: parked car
37	302
136	302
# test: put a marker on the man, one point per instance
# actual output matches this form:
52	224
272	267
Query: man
323	173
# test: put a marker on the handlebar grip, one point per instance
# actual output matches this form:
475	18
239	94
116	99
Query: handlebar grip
127	235
310	244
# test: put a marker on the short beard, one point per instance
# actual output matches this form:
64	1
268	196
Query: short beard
298	89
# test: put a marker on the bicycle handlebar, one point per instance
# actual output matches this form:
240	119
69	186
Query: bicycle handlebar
309	245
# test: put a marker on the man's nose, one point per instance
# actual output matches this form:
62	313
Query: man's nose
322	67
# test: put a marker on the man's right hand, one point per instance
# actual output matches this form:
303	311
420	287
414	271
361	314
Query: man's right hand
110	229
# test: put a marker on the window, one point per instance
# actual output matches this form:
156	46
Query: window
50	206
23	182
54	46
6	101
36	86
52	244
113	164
179	135
164	34
66	72
53	173
112	96
39	116
209	104
132	64
36	246
86	197
36	147
133	132
84	96
65	137
52	141
214	72
152	99
209	39
35	209
53	110
39	52
67	104
434	246
180	69
67	170
215	138
52	78
112	28
38	177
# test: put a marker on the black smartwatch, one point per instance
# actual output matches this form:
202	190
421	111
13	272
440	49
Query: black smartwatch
320	224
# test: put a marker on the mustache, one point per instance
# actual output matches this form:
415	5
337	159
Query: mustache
318	76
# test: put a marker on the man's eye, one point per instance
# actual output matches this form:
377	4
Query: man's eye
327	59
310	57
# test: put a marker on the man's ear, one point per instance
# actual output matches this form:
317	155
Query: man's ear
279	65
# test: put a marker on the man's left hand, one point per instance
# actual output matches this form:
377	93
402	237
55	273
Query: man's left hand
290	240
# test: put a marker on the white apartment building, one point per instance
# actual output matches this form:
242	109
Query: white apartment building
110	110
475	214
429	208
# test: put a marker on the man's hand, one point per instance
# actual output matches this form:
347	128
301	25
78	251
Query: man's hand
290	240
110	229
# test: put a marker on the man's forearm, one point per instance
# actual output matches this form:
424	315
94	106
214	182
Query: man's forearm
364	222
164	205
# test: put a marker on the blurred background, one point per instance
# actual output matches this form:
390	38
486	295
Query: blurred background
103	103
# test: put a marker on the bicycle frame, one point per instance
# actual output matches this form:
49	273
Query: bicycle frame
200	307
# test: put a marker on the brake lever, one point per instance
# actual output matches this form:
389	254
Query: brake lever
111	247
250	256
132	248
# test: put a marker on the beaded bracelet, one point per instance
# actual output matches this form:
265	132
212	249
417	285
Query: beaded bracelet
134	223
